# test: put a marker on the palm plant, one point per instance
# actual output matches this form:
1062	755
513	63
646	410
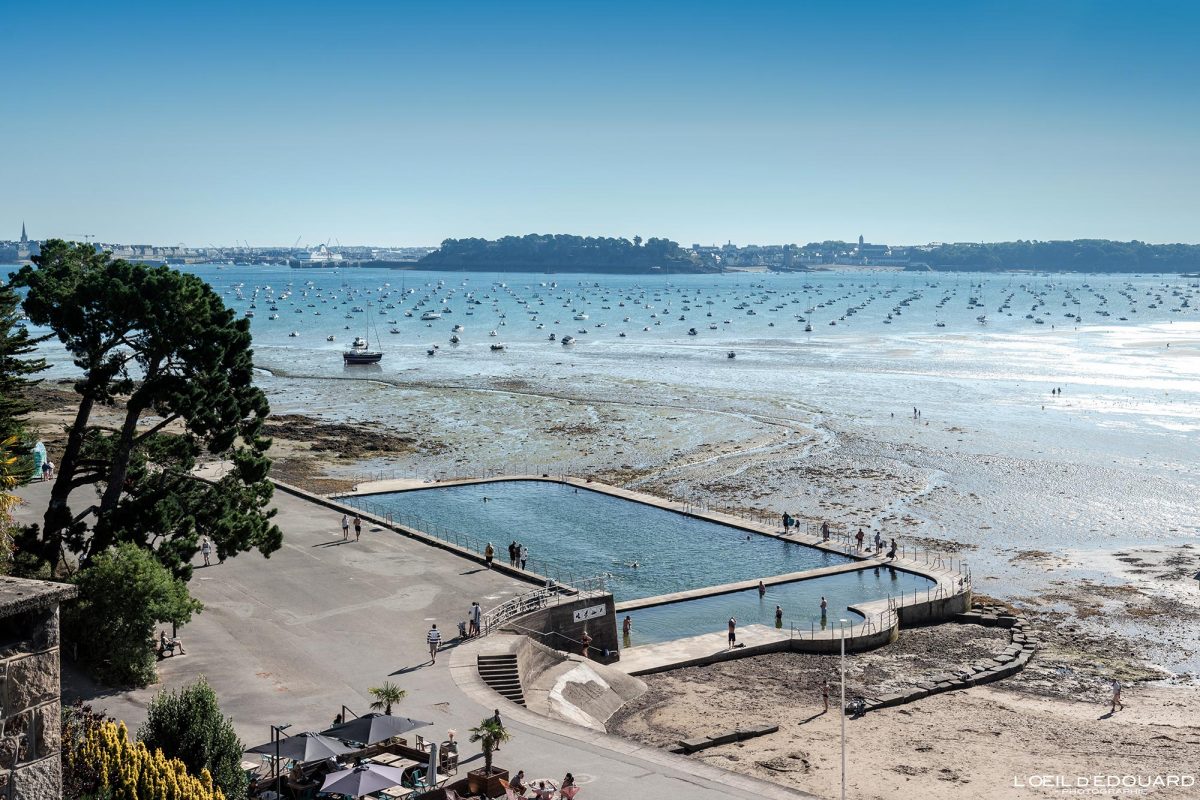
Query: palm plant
386	696
490	734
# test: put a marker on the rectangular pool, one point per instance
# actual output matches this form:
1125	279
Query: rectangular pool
800	600
644	551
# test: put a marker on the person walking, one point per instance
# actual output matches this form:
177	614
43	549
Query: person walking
524	556
732	632
1117	705
206	550
434	640
489	553
345	528
357	527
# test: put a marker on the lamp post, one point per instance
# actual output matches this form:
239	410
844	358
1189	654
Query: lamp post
843	706
275	731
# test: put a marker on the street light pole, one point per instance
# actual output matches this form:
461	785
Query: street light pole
843	708
275	731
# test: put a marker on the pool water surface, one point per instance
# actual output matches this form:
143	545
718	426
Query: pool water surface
578	532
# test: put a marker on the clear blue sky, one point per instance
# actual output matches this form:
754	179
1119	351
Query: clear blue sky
405	123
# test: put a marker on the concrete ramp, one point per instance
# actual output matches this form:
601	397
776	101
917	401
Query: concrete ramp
561	686
582	692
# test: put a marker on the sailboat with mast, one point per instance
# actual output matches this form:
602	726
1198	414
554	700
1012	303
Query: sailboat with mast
360	351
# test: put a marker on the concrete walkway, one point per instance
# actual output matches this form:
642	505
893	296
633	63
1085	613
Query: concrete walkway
288	640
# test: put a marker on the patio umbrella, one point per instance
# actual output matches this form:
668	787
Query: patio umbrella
431	776
304	747
362	780
373	728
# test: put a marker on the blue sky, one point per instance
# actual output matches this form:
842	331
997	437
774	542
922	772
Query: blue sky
406	123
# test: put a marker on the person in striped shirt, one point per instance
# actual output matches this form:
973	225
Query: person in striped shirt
434	638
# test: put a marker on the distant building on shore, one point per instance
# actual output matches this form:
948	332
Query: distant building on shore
24	252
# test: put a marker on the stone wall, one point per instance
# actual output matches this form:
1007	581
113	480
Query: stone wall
556	627
30	690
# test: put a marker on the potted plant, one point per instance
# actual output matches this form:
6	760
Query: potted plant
386	696
490	734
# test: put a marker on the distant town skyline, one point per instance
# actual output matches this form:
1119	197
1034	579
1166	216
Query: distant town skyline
402	125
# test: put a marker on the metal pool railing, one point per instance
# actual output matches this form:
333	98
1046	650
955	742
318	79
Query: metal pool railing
841	534
538	599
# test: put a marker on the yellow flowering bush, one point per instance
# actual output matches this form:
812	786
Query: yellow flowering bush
127	770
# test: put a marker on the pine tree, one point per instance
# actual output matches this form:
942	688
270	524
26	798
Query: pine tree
16	344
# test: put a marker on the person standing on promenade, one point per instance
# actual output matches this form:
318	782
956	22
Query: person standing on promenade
357	527
892	551
524	556
512	553
473	619
859	538
825	693
878	542
732	631
345	528
434	640
489	553
1117	705
206	550
825	531
500	725
824	608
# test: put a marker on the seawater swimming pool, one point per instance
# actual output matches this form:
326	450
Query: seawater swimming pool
576	531
579	532
800	601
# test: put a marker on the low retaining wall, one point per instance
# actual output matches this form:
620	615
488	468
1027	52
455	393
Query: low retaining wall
937	610
497	564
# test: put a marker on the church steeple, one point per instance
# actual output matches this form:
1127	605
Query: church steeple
24	238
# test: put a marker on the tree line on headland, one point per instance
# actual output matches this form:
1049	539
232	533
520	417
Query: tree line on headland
563	253
568	253
1080	255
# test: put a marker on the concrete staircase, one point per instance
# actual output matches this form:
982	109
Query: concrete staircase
500	673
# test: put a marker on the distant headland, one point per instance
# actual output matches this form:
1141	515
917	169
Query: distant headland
565	253
569	253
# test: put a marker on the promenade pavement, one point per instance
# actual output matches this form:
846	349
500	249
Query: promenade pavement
289	639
